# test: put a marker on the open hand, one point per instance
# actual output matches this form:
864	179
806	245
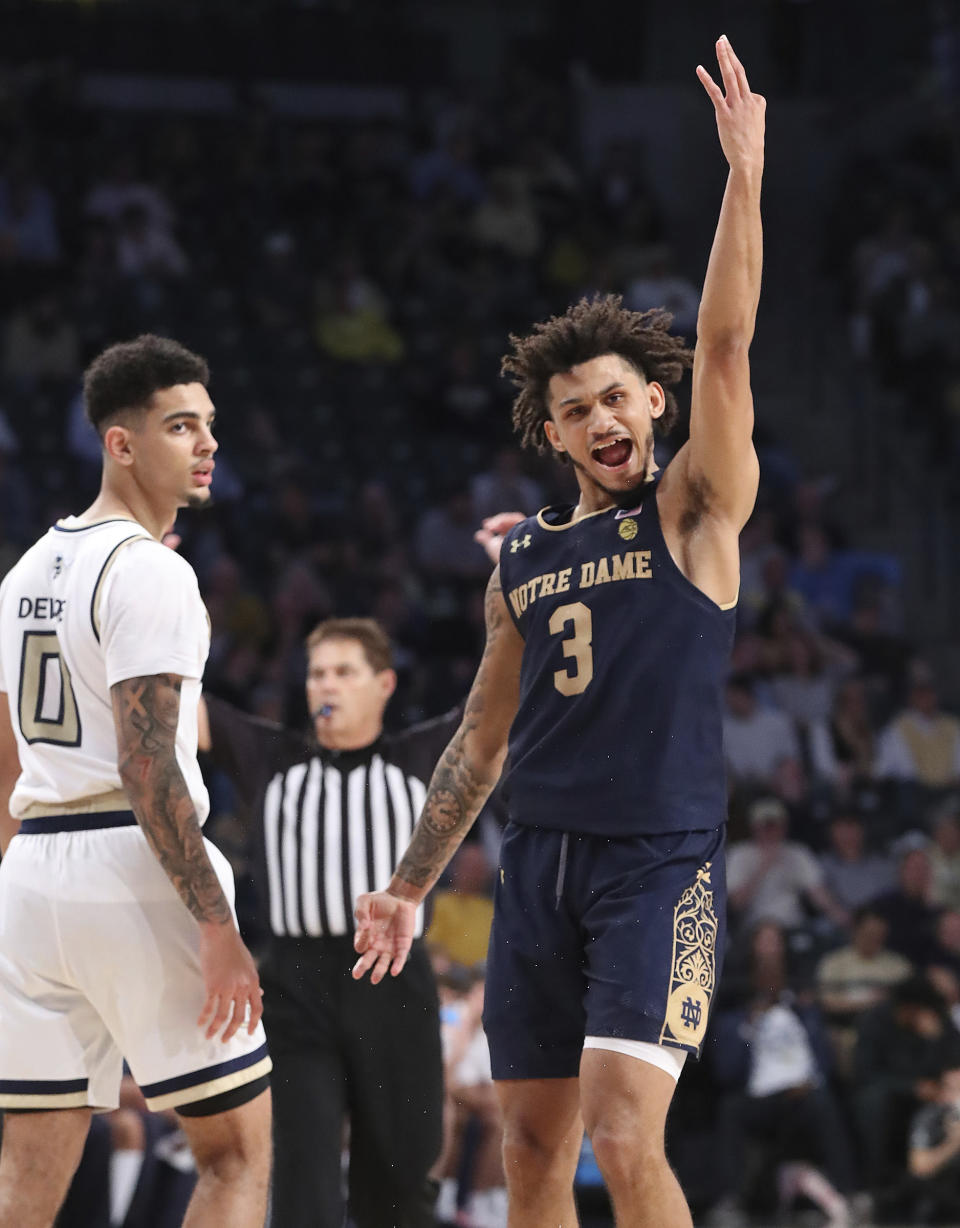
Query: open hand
384	934
740	113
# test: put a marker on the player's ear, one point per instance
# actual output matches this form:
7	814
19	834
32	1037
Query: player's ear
117	443
553	435
657	398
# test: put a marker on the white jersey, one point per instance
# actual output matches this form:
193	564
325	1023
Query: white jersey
86	607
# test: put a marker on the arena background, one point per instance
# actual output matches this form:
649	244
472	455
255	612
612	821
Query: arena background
347	205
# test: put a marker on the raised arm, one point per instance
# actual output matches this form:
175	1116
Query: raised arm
721	460
461	782
146	712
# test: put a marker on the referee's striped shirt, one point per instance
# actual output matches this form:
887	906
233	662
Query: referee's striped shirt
330	824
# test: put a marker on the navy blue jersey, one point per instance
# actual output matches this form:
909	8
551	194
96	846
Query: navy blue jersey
619	725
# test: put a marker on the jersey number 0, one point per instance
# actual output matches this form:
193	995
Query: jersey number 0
48	706
578	646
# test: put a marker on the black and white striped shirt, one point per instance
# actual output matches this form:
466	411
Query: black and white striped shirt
329	824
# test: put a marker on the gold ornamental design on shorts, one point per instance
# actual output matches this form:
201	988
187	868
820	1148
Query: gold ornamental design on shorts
693	964
627	529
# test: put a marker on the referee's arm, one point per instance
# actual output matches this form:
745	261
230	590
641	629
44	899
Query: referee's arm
246	747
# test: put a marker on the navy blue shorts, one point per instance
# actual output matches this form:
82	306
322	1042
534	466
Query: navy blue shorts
600	936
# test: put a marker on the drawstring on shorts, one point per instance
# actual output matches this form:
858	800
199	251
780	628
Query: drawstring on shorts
562	866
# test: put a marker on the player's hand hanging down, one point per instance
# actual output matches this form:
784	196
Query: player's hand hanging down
384	934
740	114
234	997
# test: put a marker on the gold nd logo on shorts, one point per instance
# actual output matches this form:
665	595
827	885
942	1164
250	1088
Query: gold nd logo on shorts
693	965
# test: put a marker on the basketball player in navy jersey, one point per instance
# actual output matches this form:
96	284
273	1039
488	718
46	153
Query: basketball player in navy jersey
609	627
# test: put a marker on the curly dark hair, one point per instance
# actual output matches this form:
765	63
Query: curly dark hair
125	376
589	329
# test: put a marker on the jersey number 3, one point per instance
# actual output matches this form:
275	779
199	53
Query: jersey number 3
48	706
578	646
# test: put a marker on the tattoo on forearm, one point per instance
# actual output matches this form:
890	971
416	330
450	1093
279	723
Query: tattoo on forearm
146	711
462	780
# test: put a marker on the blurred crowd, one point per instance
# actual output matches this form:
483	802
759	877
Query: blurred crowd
893	243
353	286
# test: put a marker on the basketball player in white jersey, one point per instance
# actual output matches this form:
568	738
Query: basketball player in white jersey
117	933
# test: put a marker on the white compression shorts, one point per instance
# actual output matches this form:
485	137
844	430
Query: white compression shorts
666	1057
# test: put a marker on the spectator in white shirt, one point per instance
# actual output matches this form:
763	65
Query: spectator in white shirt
771	878
804	683
757	741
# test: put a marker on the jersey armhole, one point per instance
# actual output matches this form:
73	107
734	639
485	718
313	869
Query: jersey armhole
101	578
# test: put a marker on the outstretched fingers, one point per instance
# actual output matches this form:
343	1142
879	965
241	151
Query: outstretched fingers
378	961
732	73
364	963
725	58
738	68
708	83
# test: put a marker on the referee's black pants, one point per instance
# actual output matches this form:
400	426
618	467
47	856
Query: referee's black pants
345	1049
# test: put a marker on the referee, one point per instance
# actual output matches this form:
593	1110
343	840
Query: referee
331	817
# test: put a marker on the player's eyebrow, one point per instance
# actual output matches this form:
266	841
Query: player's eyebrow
606	391
186	413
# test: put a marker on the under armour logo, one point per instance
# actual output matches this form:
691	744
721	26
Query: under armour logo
520	543
690	1013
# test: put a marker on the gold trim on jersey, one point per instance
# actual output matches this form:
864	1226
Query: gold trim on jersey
216	1087
559	528
105	571
95	803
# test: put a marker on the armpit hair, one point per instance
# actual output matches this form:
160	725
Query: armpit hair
699	497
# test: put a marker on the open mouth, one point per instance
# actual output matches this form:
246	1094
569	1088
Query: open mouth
613	455
204	476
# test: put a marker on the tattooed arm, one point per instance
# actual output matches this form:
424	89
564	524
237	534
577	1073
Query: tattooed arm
470	766
146	712
463	779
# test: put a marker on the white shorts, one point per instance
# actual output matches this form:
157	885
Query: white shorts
99	962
